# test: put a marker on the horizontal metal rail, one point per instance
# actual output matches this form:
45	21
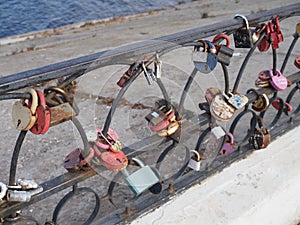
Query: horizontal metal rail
121	55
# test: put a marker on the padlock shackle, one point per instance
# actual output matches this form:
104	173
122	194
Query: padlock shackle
231	138
196	153
34	102
138	161
221	36
59	91
244	18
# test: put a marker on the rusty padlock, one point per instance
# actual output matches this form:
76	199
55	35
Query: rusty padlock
220	109
261	137
133	69
23	115
297	60
224	52
74	161
286	106
62	108
43	113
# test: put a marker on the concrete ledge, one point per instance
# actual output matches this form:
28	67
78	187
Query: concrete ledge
262	189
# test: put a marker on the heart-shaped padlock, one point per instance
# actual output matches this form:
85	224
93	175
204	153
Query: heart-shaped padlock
23	116
220	109
278	81
228	146
287	107
43	113
115	161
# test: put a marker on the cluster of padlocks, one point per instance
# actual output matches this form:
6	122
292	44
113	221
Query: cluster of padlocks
39	109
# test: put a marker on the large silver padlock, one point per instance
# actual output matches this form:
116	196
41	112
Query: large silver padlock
211	58
142	179
243	36
195	161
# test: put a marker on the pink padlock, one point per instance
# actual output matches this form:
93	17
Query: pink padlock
278	81
228	146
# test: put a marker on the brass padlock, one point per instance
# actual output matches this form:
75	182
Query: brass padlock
142	179
24	115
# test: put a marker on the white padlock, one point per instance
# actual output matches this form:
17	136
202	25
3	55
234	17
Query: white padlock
3	190
195	164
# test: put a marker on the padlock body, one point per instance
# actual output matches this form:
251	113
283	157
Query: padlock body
194	164
61	113
220	109
224	54
297	61
243	38
278	81
141	180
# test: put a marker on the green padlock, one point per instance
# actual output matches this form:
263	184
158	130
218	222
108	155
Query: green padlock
142	179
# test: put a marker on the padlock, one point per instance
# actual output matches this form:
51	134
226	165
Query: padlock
195	161
278	81
287	107
261	104
224	52
243	36
220	109
142	179
264	75
257	32
229	145
211	58
297	59
261	137
3	190
61	107
262	83
297	33
110	142
157	66
75	161
133	69
264	44
163	119
274	39
277	29
236	100
43	113
149	74
24	116
22	196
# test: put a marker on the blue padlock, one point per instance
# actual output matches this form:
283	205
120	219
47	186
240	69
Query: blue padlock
142	179
211	58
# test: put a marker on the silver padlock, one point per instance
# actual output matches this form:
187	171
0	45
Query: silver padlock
142	179
211	58
149	74
3	190
195	164
22	196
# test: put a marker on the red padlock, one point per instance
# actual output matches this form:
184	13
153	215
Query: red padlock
221	36
163	124
297	62
110	142
277	29
287	106
264	44
43	113
273	36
